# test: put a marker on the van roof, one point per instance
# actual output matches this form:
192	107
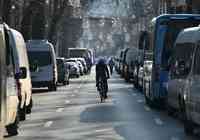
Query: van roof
39	45
189	35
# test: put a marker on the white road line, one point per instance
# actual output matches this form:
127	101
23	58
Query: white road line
147	108
158	121
60	110
67	101
140	101
175	138
103	130
48	124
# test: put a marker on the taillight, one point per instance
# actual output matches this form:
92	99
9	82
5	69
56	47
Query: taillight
19	88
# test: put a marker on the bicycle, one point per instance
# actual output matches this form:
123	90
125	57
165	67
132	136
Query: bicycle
101	87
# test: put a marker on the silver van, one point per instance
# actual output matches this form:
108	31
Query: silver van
43	65
184	79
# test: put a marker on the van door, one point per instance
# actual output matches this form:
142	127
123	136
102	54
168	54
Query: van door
180	67
194	95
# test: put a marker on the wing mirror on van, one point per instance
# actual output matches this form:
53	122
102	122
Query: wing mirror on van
22	74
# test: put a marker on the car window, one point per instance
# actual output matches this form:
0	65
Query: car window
181	60
39	58
197	61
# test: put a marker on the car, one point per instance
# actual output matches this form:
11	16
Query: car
131	57
63	71
140	78
8	87
24	85
80	67
84	64
74	70
147	78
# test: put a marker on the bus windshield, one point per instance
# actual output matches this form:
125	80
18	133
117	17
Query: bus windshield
171	30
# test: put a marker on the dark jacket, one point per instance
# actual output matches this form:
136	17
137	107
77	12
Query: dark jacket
102	71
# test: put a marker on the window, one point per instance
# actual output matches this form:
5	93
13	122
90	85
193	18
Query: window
181	60
197	61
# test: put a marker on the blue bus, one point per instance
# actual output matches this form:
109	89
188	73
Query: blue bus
163	32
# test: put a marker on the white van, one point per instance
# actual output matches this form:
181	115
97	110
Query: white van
43	66
24	85
8	91
183	85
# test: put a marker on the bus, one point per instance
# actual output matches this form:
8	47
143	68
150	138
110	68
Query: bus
163	32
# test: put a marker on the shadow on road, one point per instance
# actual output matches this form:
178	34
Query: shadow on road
40	91
100	113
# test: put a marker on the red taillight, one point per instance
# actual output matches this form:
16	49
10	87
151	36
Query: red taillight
19	88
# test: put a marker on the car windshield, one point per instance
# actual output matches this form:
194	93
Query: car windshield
39	58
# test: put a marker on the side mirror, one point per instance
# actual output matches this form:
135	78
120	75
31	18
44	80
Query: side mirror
23	73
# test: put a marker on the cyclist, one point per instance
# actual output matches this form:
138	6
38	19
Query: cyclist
102	73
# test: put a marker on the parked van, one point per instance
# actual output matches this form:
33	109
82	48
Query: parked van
130	59
43	66
183	85
24	85
8	91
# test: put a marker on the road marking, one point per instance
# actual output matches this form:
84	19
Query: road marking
147	108
60	110
67	101
158	121
103	130
140	101
72	95
175	138
48	124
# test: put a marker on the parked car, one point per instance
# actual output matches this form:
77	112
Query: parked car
43	66
9	93
24	85
140	78
123	63
84	64
63	71
131	57
80	67
74	70
147	78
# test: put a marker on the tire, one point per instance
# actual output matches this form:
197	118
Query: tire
22	113
29	107
67	82
52	87
188	127
12	129
64	83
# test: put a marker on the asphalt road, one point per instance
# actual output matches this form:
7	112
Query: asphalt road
74	112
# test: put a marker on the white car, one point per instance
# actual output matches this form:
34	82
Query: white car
43	65
74	70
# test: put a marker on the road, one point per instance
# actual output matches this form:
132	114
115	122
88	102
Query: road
74	112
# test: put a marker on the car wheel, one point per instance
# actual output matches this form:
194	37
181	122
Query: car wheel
188	127
29	107
22	113
52	87
12	129
67	82
64	83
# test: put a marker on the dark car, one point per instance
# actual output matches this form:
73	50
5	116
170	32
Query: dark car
63	71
